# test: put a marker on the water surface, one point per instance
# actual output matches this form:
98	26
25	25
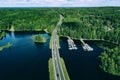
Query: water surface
24	60
27	61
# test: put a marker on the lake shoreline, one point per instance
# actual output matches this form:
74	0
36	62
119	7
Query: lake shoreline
45	31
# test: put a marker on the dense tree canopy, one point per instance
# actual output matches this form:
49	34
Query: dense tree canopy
110	61
88	23
92	23
28	19
39	39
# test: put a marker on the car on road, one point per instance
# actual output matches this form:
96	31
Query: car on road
57	75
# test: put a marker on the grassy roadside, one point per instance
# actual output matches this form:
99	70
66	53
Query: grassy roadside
50	43
64	69
51	71
58	42
8	45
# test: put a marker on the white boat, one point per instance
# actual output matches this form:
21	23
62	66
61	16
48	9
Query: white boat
70	48
86	47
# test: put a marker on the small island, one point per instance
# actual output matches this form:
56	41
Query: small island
8	45
39	39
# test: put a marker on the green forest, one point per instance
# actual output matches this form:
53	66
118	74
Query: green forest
110	61
29	19
87	23
92	23
100	23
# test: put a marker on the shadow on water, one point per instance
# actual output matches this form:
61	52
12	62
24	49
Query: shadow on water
39	44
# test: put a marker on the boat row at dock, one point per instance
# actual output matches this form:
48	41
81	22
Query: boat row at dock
72	45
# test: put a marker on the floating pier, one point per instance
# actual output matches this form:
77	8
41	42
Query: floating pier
71	44
85	46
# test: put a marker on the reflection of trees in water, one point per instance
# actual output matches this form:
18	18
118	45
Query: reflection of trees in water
13	35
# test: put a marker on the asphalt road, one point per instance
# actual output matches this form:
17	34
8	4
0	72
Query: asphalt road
58	70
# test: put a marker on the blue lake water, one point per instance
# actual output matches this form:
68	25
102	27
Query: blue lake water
27	61
24	60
